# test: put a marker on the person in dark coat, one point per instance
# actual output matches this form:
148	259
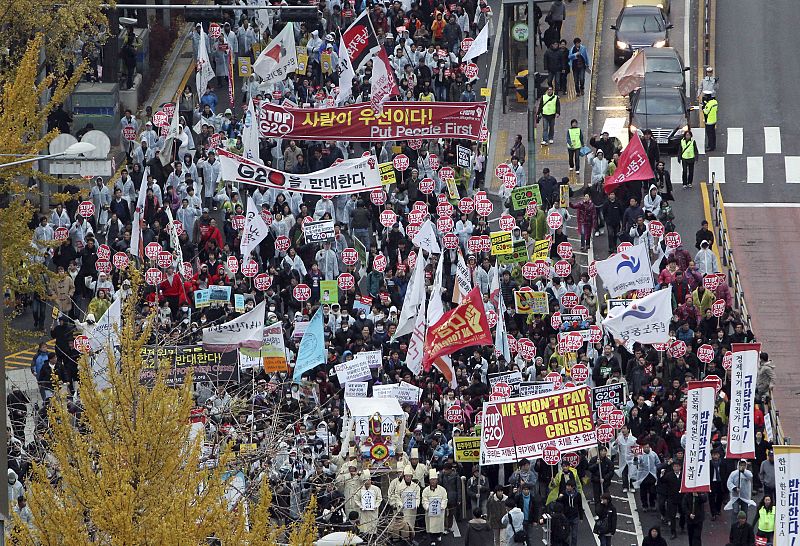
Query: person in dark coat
671	481
478	531
602	470
694	506
606	525
654	538
741	532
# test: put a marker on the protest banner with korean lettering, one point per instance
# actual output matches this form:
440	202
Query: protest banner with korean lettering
612	392
318	232
464	326
518	254
528	302
350	176
501	242
787	493
541	250
205	365
522	195
522	427
466	449
534	388
741	426
512	379
696	476
358	122
387	173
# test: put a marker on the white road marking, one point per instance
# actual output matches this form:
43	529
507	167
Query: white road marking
755	170
623	531
735	140
611	108
675	171
637	525
792	163
772	140
589	518
716	165
763	205
455	529
700	138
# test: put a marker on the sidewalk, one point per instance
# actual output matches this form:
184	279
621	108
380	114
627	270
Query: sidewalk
505	127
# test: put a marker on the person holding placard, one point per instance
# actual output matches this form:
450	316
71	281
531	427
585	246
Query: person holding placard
368	499
348	485
404	495
434	502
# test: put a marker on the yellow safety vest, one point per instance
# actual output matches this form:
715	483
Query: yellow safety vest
766	520
574	138
687	148
549	103
710	111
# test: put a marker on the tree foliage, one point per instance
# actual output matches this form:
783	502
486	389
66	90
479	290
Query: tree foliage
125	472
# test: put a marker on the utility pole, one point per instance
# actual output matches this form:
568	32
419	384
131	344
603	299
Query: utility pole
532	37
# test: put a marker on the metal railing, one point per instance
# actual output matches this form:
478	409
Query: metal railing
722	237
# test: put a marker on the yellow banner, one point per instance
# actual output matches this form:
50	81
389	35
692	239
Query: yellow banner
541	250
326	63
501	242
452	190
387	173
467	449
245	70
563	196
528	302
302	63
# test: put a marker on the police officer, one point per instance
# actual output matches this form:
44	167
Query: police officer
687	154
710	116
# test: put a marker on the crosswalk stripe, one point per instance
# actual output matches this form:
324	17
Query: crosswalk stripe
772	140
755	170
700	138
792	163
675	170
615	127
735	140
716	166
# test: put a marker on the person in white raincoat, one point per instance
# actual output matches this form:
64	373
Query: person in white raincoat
625	440
404	495
740	485
368	500
434	502
349	485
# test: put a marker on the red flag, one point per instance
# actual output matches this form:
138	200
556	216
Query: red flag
464	326
633	165
383	84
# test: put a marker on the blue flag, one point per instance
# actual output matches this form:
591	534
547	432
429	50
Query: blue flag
312	351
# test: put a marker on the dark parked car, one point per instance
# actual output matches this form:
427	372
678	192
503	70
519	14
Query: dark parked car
638	27
664	68
663	110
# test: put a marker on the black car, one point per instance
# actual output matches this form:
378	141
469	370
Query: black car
664	67
638	27
663	110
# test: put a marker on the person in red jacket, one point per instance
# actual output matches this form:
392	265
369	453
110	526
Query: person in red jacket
587	217
212	234
172	290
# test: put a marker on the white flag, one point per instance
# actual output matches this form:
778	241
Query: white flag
383	84
626	271
346	74
696	476
205	72
500	334
278	58
244	331
435	305
138	218
416	344
415	295
426	238
463	282
104	337
646	320
255	229
250	133
479	46
174	242
167	153
741	428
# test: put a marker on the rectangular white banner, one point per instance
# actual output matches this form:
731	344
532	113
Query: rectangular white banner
741	428
787	493
349	176
696	476
356	389
626	271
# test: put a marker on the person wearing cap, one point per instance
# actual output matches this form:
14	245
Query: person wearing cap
740	486
478	490
708	86
368	499
405	494
741	533
349	483
434	502
420	469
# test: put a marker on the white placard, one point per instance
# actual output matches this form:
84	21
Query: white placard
373	358
406	392
409	500
357	370
248	362
367	500
384	391
356	389
435	507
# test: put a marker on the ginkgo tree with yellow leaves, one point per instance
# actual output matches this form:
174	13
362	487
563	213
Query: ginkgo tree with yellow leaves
126	473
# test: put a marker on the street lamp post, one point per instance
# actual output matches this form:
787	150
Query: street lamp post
531	109
79	148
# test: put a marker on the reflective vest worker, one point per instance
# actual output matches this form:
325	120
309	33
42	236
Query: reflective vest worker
688	148
710	111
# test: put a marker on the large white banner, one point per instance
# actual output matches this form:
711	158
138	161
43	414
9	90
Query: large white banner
626	271
697	459
244	331
349	176
255	230
278	58
787	493
741	428
645	320
104	337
